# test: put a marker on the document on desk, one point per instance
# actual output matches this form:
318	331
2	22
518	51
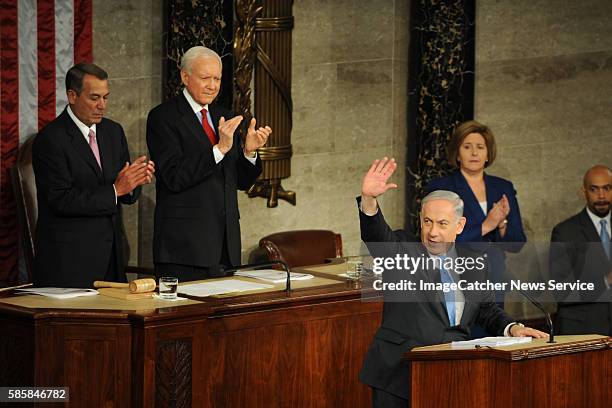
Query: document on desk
220	287
58	293
274	276
490	342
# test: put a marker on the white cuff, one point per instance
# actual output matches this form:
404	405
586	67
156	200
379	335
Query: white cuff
253	160
115	194
507	329
217	153
369	215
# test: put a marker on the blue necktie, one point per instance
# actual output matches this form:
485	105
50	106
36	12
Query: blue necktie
449	297
605	237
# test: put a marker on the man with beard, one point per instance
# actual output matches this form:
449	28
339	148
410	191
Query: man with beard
580	250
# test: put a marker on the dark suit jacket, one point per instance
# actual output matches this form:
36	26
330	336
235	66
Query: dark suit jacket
406	325
576	253
78	219
197	203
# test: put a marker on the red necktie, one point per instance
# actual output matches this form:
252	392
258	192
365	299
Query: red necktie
207	129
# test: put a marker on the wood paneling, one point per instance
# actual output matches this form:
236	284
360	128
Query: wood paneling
302	349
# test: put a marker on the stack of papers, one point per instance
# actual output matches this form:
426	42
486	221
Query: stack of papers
220	287
490	342
59	293
273	276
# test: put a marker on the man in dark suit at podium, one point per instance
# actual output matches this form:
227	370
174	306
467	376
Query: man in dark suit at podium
201	164
431	319
580	250
83	176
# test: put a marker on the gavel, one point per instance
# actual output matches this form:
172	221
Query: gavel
135	286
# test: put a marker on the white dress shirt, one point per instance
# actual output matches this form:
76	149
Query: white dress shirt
597	222
84	129
197	109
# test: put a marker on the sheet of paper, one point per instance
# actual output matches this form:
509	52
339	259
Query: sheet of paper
220	287
59	293
274	276
490	342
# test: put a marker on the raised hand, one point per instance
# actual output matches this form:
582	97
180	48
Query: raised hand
375	183
133	175
255	138
226	133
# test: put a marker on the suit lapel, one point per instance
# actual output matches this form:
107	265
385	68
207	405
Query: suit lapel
80	145
491	192
587	227
470	201
106	153
591	235
215	116
190	120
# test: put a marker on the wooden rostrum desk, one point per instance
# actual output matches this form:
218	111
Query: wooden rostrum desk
266	349
574	372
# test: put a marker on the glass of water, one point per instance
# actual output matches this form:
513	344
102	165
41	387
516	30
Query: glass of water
354	269
168	287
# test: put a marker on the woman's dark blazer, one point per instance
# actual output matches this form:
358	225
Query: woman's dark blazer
496	187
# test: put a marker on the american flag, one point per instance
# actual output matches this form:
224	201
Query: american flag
39	41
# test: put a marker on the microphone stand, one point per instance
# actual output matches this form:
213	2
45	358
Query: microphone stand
551	333
261	265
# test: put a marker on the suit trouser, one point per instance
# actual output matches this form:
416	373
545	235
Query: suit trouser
186	273
113	272
383	399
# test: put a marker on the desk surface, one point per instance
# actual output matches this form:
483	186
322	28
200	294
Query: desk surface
325	284
261	349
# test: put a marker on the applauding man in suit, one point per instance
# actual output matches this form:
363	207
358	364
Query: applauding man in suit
201	165
83	175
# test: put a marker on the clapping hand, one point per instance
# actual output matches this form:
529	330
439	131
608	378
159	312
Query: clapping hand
226	133
375	183
255	138
133	175
496	218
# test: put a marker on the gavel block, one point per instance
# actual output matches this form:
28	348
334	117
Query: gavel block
137	289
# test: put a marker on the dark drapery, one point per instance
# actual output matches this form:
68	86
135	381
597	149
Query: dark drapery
441	89
197	22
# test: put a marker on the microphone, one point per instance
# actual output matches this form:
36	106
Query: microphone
261	265
551	333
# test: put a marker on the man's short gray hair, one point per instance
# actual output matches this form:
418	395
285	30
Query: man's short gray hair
196	52
453	198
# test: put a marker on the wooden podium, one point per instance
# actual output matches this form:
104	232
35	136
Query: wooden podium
576	371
